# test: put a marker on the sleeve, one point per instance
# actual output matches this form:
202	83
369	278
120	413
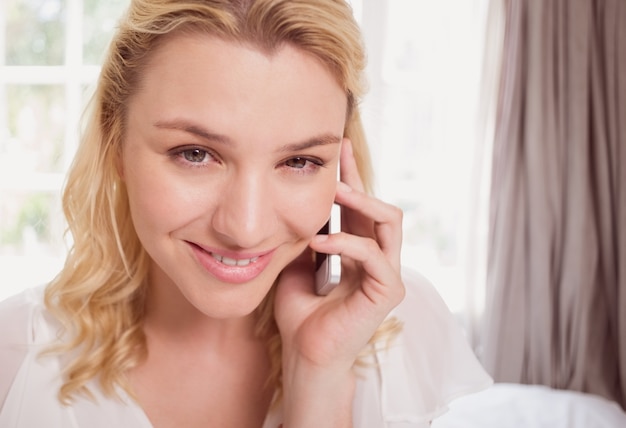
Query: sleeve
16	334
431	362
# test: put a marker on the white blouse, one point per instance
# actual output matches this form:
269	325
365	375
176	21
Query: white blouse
410	384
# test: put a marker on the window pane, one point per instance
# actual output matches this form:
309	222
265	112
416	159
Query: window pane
36	126
31	246
26	220
100	19
34	32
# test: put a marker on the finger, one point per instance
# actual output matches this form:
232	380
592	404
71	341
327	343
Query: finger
387	219
349	169
385	278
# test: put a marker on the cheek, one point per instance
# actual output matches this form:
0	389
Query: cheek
158	203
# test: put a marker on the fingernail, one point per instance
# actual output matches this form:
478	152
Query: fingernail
343	187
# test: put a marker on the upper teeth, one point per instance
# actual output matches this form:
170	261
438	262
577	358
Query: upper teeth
234	262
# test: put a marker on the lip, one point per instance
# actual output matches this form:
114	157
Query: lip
231	273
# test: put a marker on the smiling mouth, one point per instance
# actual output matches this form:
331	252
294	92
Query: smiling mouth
236	269
233	262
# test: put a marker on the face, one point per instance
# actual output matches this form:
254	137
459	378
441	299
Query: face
230	160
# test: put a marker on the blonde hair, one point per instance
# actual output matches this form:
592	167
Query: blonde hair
99	294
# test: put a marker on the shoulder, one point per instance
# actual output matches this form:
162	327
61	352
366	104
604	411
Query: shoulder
27	376
18	313
20	333
423	311
428	365
433	337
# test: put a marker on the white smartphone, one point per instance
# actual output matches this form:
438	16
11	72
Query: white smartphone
328	266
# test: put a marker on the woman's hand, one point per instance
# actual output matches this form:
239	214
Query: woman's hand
323	335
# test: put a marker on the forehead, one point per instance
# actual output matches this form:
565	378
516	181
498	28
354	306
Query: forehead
232	85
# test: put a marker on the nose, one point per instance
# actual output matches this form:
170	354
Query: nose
245	216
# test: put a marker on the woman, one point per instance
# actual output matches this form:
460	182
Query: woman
208	166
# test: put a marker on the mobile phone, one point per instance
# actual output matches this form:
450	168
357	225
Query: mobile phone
328	266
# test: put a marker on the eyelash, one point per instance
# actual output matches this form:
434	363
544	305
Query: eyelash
180	153
310	166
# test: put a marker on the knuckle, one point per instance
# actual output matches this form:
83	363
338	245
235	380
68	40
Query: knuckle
371	246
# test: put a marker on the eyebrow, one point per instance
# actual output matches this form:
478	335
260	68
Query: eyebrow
190	128
319	140
181	125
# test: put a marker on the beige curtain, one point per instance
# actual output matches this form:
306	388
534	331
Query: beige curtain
556	276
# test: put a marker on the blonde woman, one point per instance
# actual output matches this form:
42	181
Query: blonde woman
208	166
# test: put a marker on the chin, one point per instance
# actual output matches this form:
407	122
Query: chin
232	309
231	301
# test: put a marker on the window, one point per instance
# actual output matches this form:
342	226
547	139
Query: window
49	55
425	69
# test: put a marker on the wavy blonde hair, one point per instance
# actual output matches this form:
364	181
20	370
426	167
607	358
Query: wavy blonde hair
99	294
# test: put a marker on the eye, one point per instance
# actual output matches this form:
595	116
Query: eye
298	163
195	155
302	165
